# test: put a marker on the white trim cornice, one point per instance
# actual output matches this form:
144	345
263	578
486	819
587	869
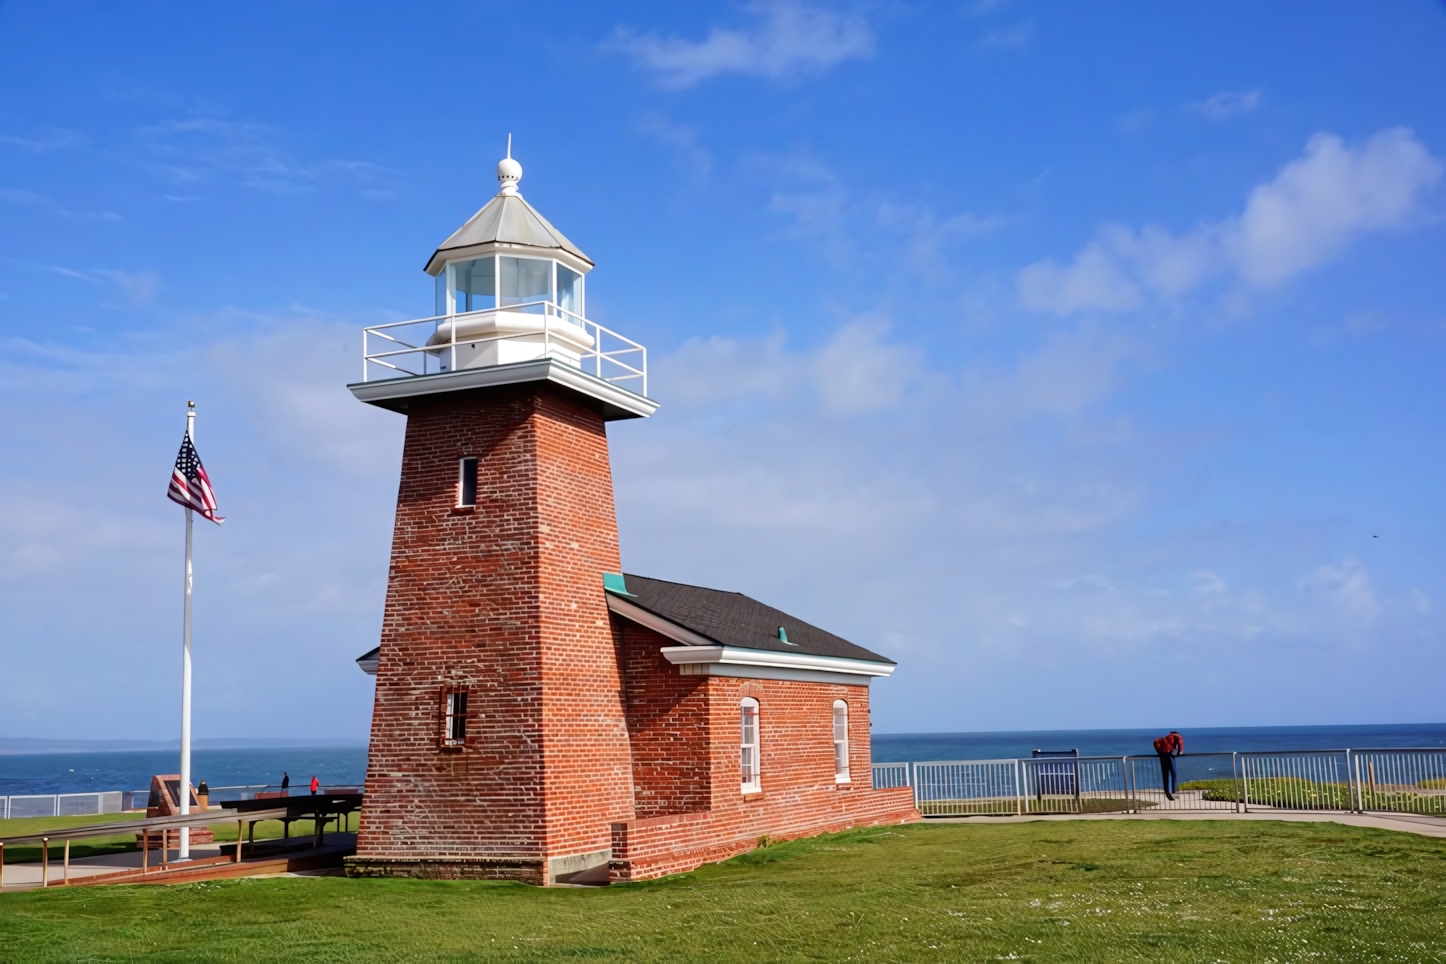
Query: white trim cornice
617	402
739	657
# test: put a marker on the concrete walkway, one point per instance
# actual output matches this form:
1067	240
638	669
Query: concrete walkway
1403	822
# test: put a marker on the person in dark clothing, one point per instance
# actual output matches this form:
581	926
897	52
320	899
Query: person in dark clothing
285	779
1168	747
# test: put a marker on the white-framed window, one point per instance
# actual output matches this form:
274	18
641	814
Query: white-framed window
748	756
454	716
508	281
467	481
840	742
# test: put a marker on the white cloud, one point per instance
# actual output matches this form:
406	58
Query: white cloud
197	149
138	287
1347	586
1227	104
1014	36
1095	279
843	225
1307	215
1322	201
10	195
682	139
51	139
305	475
791	39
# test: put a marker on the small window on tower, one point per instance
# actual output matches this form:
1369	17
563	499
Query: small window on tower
454	716
467	482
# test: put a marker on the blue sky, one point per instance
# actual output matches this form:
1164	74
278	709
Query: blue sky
1086	359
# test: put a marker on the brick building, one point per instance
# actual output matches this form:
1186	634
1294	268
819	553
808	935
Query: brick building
540	716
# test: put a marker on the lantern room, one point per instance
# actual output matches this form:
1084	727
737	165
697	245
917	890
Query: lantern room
510	303
509	286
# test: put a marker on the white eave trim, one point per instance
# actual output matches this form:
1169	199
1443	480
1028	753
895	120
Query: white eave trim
736	656
617	402
657	624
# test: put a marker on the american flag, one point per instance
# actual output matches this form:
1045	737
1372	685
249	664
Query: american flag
190	485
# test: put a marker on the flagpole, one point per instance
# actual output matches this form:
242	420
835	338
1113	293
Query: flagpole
185	792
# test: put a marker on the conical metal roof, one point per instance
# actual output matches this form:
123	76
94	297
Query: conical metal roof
508	219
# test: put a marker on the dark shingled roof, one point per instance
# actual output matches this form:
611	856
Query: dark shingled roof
734	619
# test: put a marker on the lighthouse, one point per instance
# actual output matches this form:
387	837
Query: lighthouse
498	744
539	714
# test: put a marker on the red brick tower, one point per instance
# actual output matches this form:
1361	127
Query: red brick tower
499	746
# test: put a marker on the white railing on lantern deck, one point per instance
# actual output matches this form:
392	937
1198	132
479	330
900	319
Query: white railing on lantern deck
392	350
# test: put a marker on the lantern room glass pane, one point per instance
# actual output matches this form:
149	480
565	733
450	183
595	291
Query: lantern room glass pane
476	284
569	291
526	280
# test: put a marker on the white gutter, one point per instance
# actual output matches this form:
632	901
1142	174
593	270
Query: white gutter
737	656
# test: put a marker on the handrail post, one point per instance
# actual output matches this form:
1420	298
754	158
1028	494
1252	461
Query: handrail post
145	851
1125	779
66	873
44	861
1244	784
1234	778
236	858
1018	789
2	863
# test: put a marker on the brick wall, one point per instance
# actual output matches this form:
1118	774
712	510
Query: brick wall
798	796
668	727
505	600
580	736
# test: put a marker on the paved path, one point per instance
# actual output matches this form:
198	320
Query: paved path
1403	822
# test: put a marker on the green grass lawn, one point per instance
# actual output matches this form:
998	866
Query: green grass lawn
1156	891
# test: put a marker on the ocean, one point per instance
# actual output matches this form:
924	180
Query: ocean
346	765
914	747
23	773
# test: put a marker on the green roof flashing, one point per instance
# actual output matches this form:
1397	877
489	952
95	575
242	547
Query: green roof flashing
614	583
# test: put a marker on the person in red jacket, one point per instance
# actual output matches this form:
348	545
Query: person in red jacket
1168	747
314	784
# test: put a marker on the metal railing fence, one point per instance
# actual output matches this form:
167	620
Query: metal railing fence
1197	772
890	776
119	801
967	786
625	363
1400	781
61	804
1376	780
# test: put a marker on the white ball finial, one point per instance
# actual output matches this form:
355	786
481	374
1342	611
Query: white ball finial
509	172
